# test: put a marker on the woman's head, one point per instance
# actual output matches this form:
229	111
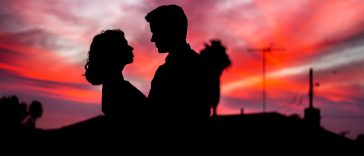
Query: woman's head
109	53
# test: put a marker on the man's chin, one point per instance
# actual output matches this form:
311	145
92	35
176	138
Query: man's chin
162	50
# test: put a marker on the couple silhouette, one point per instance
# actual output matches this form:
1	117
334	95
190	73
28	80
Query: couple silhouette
182	88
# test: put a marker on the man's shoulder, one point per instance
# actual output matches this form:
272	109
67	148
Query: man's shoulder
194	57
190	60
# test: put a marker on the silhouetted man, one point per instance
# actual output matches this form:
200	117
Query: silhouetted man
179	90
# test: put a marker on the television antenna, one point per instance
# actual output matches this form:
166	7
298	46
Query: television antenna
264	51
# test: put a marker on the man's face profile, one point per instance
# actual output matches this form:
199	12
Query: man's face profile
161	38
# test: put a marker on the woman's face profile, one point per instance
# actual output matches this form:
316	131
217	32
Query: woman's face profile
127	52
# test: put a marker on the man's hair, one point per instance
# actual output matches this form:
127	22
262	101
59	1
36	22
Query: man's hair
169	17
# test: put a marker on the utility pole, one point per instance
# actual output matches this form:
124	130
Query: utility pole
312	115
264	64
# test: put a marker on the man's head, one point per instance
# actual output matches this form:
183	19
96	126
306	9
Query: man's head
168	24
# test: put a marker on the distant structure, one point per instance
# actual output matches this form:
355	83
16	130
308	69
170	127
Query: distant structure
241	111
35	111
268	49
312	115
218	60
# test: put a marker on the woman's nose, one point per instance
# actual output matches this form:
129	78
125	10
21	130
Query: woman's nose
152	39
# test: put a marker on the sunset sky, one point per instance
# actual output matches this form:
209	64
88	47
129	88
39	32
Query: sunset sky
44	45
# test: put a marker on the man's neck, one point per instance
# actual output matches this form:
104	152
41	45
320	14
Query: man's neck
179	48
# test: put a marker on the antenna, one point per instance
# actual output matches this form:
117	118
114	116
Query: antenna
310	92
264	51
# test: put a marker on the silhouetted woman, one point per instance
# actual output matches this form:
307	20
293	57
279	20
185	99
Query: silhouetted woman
108	55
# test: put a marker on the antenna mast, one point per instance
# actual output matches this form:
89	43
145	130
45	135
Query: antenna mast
264	64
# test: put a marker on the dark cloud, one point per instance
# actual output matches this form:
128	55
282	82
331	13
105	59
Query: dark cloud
11	23
7	55
65	48
336	108
335	44
8	19
9	77
39	38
